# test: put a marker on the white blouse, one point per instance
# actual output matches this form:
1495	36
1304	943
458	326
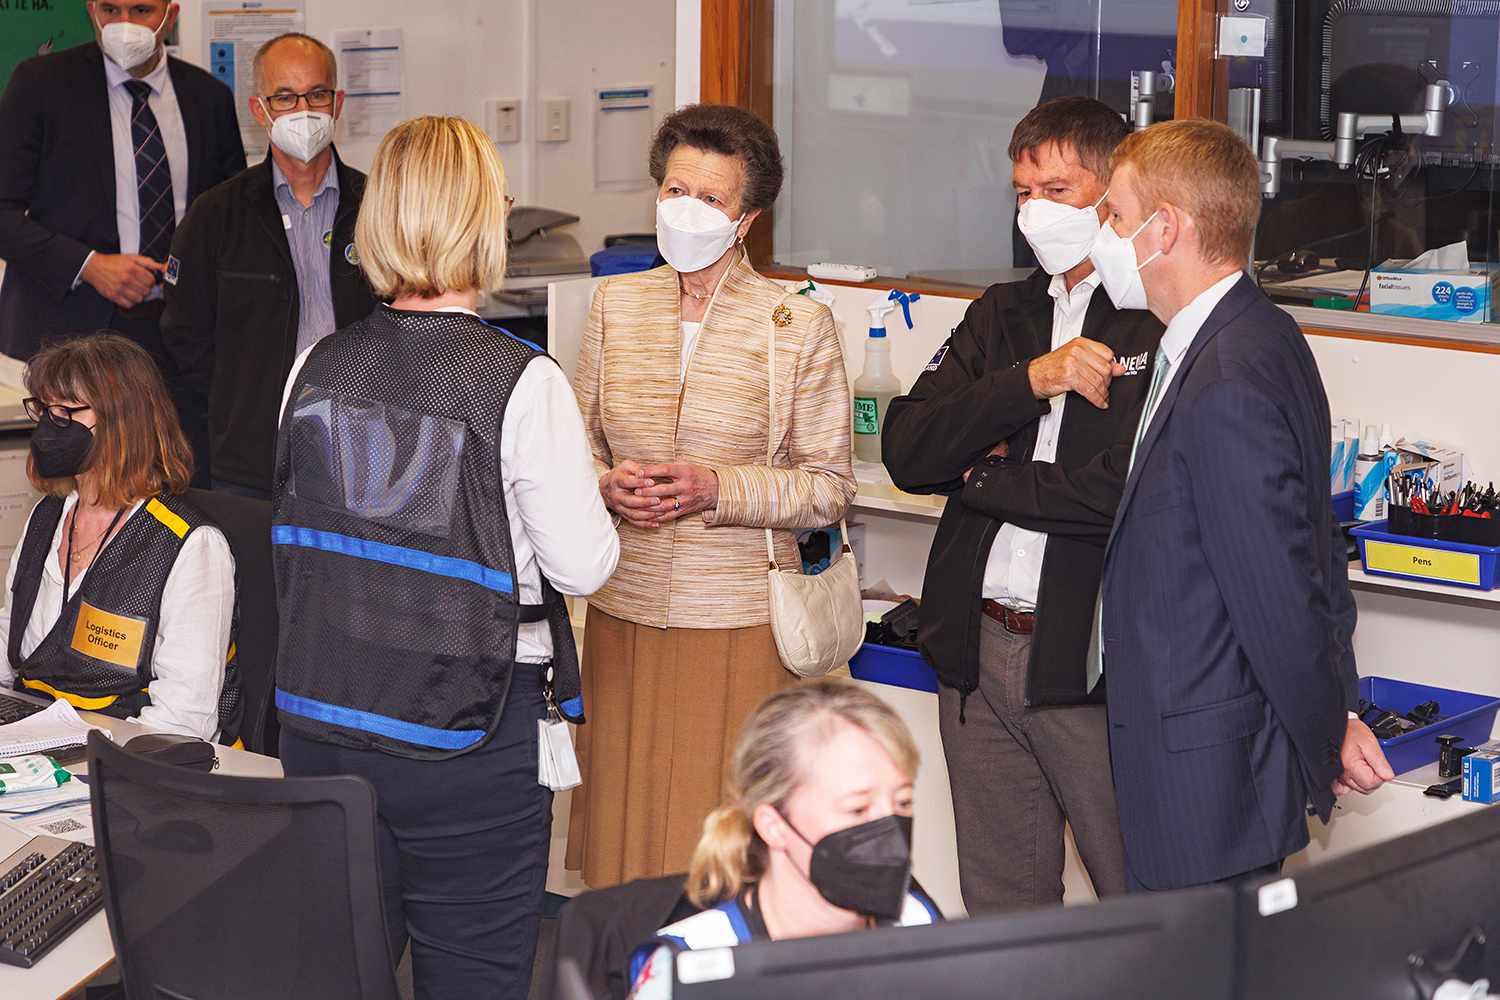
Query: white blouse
192	634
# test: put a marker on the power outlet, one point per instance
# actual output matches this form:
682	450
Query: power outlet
502	119
555	114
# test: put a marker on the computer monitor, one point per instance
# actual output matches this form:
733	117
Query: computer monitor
1157	946
1345	928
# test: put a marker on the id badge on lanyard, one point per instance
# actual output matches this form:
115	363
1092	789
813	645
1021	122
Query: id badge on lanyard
557	763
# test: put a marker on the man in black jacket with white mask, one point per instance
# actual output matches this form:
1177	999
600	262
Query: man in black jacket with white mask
265	266
1024	420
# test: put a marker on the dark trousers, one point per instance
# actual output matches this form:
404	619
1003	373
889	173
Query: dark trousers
143	326
1274	868
1017	774
463	850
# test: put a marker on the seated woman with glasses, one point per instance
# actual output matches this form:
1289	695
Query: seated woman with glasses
120	597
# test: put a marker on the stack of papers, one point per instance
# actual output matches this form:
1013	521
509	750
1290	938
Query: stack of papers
59	725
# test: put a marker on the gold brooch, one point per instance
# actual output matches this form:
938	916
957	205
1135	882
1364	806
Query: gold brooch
782	317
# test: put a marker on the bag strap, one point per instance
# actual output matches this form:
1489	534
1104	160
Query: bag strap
771	428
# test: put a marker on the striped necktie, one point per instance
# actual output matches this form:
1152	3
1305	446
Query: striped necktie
1161	367
153	175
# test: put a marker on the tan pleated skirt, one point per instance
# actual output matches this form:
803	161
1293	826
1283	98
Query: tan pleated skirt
665	707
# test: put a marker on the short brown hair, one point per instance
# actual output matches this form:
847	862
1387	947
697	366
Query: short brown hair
432	219
293	36
1208	171
1083	124
728	131
139	449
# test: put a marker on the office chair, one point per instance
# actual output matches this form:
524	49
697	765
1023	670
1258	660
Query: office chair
231	887
599	930
246	524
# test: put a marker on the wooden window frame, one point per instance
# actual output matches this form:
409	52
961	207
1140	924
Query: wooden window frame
735	67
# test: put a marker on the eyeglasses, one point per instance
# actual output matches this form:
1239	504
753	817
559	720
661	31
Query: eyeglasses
320	98
54	412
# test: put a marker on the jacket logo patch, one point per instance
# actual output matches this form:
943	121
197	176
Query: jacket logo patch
937	359
1135	365
174	267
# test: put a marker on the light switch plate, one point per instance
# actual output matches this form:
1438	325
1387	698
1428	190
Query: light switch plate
1242	36
555	115
502	119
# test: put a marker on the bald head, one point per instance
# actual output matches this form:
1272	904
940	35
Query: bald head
287	62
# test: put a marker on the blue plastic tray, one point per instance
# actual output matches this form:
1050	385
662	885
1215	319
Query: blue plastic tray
1485	556
889	665
1471	716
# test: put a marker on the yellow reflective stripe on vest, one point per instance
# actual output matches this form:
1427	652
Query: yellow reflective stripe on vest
175	524
76	700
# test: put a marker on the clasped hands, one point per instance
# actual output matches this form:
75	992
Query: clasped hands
649	496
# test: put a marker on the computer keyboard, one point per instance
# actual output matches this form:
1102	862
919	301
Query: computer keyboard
15	709
48	888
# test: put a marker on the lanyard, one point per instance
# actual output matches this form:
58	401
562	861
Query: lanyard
68	562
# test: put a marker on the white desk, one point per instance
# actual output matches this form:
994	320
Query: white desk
87	952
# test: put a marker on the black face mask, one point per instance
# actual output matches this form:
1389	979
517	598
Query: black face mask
865	868
60	450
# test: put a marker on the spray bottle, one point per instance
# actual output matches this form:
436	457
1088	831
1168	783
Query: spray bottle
1377	458
876	386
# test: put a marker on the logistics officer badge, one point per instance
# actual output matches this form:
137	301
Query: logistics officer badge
782	317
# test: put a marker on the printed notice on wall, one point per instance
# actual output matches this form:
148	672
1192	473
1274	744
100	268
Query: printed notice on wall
233	31
371	72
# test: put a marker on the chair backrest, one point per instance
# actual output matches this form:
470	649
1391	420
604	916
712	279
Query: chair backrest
599	930
220	886
246	523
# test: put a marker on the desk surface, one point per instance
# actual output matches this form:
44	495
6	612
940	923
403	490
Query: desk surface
88	951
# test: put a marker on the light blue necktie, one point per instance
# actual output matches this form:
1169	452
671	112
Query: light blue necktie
1094	665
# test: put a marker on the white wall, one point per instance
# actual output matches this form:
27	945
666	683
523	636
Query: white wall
461	52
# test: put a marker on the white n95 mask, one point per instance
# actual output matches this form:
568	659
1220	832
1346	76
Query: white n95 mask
127	44
691	235
1114	258
1060	235
302	135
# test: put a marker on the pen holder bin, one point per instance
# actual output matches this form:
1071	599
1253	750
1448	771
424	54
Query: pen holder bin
1444	527
1384	552
1462	713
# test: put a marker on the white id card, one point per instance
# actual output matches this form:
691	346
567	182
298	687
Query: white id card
557	764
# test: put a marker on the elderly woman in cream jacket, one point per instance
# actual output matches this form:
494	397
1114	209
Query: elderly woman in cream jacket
673	382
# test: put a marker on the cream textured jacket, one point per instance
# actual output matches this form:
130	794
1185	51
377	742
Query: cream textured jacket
709	570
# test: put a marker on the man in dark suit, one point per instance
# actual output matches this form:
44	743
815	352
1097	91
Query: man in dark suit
1047	370
1226	613
104	147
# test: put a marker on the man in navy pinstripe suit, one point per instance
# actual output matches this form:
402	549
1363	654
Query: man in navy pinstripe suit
1225	614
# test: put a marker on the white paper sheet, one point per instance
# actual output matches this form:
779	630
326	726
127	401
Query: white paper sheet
233	31
372	70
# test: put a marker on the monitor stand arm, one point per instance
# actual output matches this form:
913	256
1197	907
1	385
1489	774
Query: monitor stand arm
1349	129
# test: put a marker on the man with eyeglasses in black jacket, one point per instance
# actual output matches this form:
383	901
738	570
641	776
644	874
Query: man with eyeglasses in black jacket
263	267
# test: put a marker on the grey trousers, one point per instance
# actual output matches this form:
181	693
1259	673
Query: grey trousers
1017	774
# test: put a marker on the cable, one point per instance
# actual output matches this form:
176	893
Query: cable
1364	282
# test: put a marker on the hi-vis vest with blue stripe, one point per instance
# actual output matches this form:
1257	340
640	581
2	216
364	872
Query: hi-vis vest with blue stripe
731	923
394	568
98	655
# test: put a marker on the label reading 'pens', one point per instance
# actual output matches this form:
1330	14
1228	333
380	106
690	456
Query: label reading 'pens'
1414	560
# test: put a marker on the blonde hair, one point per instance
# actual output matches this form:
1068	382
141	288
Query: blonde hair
433	215
776	748
1205	169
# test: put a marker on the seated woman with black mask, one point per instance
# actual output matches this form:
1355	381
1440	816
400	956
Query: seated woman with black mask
120	596
820	772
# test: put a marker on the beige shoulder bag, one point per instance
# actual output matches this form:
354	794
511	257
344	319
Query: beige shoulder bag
818	621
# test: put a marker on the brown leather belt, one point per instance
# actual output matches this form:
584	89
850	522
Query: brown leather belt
1014	622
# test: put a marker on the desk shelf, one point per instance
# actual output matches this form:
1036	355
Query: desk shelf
877	493
1360	580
